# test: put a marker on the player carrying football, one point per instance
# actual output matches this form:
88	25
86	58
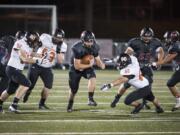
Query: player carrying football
78	69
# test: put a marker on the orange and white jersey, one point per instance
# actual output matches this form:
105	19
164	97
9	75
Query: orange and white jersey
133	69
14	60
48	49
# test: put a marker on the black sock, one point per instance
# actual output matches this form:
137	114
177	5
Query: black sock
42	101
90	94
15	102
118	96
70	104
1	102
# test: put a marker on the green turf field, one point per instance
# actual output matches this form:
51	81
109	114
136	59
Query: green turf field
91	120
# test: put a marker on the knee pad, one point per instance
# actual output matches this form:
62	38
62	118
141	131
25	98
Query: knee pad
169	84
127	101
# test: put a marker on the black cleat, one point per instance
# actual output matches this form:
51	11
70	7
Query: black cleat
115	101
159	110
146	106
137	109
91	102
174	109
26	97
43	107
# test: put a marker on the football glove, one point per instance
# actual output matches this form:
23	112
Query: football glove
105	87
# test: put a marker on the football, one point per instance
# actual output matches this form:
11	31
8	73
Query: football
86	59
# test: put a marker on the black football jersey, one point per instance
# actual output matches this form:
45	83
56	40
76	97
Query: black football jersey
144	52
79	51
175	48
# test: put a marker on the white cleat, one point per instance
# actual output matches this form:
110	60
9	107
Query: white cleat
13	109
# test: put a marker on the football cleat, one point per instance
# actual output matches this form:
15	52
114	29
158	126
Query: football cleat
115	101
26	97
177	105
137	109
43	107
14	109
91	102
159	110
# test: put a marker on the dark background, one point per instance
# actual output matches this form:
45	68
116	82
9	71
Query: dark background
115	19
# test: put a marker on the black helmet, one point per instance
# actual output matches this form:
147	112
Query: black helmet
167	39
32	39
87	36
58	36
20	34
146	34
174	36
124	60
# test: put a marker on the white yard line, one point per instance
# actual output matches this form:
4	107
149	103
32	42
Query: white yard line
91	133
89	121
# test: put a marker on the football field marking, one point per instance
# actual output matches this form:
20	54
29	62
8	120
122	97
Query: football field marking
92	133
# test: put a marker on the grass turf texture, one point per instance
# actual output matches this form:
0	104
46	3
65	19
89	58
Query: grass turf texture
91	120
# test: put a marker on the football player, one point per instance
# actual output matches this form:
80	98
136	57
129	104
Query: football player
52	47
6	45
131	74
20	55
87	46
173	55
145	48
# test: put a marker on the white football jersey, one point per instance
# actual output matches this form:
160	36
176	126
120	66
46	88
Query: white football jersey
133	69
48	49
14	60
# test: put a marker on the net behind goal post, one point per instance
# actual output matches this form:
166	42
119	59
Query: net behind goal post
40	18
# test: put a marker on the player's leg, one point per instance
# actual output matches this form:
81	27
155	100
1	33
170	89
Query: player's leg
74	79
91	76
24	84
172	87
48	82
33	75
132	98
154	100
122	89
91	89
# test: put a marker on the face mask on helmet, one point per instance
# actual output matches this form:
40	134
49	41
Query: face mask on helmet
58	36
33	39
124	60
146	34
174	36
87	37
167	39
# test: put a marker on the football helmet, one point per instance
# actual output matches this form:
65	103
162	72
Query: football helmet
146	34
124	60
167	39
20	34
32	39
58	36
174	36
88	38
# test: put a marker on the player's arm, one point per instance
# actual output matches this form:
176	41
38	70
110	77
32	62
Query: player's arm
79	66
129	50
60	57
160	52
118	81
26	59
99	62
167	59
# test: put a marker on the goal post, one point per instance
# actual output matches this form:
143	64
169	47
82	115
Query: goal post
29	17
